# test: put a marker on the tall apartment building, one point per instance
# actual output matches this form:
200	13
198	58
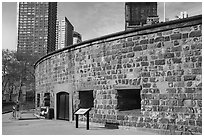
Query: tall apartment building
136	13
64	33
36	27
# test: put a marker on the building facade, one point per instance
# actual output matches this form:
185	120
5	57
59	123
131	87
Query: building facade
64	33
136	13
36	22
77	38
149	77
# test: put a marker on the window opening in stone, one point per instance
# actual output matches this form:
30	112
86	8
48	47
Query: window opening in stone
86	99
47	99
38	100
128	99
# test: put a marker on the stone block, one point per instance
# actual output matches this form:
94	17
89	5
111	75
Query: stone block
193	59
184	35
145	74
144	47
180	102
191	122
160	62
199	58
151	40
176	42
178	54
178	48
119	66
177	60
145	80
155	102
167	38
199	103
169	55
171	90
199	123
137	48
197	71
189	77
145	63
198	64
197	97
158	39
153	79
144	41
170	79
175	36
190	90
196	33
97	116
189	103
162	86
130	44
163	96
146	85
163	108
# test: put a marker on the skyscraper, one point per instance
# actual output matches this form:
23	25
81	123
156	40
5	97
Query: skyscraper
36	27
136	13
64	33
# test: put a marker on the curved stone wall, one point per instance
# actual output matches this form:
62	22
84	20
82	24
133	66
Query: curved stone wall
163	60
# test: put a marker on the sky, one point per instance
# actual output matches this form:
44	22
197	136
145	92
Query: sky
90	19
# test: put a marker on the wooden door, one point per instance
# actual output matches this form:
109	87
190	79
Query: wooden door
63	106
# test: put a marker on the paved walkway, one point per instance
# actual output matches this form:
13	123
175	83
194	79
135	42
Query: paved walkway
31	126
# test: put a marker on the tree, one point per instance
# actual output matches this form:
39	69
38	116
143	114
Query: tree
8	71
17	71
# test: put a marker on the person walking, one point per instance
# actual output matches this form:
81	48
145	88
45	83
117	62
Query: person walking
14	112
17	109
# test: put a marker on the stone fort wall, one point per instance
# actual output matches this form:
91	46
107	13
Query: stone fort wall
163	60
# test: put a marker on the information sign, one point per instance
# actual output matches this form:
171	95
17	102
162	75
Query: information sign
82	111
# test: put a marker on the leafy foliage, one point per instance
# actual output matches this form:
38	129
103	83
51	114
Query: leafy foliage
17	72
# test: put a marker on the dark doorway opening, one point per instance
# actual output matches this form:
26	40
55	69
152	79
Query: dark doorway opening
86	99
47	99
38	100
128	99
63	106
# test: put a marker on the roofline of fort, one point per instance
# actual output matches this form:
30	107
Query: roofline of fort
193	18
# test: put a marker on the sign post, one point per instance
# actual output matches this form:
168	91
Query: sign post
82	111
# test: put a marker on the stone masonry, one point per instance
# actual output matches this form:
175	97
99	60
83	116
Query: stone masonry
164	60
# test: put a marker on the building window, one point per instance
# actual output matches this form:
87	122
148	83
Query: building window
47	99
38	100
128	99
86	99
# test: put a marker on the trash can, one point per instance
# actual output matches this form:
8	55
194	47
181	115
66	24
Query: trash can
50	113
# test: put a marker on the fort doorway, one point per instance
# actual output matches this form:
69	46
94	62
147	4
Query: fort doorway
63	105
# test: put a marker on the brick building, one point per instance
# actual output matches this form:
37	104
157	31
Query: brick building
136	13
149	77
